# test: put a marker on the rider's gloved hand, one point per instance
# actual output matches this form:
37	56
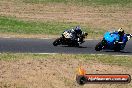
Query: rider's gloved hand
116	42
78	40
131	35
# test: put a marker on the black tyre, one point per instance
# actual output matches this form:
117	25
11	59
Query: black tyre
73	45
117	50
57	42
77	45
81	80
98	47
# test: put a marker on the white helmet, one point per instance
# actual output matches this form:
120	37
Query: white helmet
120	31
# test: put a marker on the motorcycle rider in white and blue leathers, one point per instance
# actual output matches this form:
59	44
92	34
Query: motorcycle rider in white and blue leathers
73	34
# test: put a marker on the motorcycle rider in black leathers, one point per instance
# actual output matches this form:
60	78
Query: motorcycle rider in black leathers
73	34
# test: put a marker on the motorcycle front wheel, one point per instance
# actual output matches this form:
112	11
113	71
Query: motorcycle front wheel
98	47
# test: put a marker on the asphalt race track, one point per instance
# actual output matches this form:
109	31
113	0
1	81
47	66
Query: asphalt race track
15	45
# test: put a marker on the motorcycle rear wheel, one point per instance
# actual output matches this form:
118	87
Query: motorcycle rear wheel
57	42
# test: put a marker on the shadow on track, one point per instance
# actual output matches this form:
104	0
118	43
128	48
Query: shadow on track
125	52
75	47
82	47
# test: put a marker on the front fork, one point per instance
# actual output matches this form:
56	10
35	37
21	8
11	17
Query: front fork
104	44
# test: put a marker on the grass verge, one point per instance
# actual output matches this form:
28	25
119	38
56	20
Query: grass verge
13	25
85	2
107	59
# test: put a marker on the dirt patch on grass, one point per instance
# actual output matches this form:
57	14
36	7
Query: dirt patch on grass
54	73
96	17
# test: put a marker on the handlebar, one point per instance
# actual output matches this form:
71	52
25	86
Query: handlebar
129	36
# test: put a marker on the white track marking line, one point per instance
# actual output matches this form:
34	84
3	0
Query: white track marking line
90	54
111	55
121	55
45	38
44	53
66	53
6	37
98	54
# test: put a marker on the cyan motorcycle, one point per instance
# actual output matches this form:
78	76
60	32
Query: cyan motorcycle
111	42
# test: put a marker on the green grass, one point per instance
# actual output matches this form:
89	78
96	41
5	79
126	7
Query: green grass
107	59
114	60
85	2
12	25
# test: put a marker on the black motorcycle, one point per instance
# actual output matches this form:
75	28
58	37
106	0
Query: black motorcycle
67	41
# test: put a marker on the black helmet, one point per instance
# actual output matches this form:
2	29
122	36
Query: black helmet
78	30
